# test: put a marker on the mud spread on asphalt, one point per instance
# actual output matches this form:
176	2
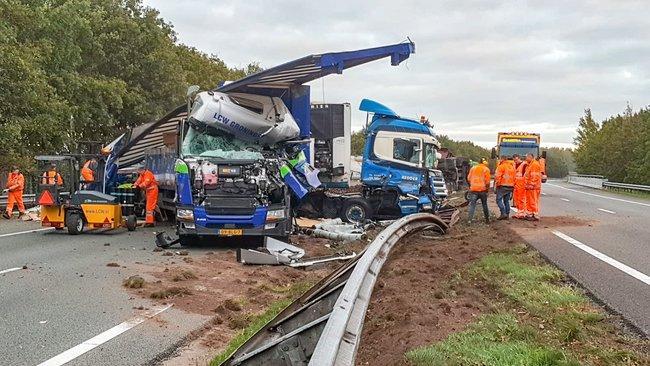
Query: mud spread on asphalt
413	303
214	284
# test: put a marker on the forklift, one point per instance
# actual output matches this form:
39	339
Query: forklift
64	205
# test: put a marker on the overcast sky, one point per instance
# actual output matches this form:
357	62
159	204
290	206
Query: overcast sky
480	67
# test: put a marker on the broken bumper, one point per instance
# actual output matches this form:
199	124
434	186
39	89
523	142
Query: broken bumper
235	225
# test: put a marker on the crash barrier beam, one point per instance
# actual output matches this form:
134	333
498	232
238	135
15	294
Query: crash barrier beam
339	342
632	187
28	200
586	180
323	326
600	182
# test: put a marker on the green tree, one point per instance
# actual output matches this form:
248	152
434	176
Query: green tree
464	148
86	70
618	148
358	140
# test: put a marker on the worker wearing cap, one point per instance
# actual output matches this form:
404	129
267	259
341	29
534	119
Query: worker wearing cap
479	185
519	193
533	180
147	182
504	181
14	189
87	177
52	176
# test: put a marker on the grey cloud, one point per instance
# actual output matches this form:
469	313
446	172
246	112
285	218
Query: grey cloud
480	66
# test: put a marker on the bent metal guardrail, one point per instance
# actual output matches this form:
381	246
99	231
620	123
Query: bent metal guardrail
323	326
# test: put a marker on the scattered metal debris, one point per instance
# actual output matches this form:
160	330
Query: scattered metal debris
276	252
337	230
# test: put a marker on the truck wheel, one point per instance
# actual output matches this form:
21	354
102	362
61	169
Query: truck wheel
131	223
75	223
356	210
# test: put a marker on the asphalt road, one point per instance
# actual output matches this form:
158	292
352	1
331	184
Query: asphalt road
67	295
610	255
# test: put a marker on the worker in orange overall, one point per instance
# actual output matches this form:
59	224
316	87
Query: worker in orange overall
533	180
504	182
519	193
147	182
15	187
52	176
87	178
479	185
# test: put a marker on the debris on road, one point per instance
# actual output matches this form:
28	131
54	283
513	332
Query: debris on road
337	230
134	282
170	293
112	264
276	252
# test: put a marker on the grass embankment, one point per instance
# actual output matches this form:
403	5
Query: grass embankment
536	319
256	322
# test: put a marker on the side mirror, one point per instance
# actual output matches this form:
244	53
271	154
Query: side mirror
494	153
544	154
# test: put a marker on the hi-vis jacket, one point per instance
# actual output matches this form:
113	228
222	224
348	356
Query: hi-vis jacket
479	178
505	174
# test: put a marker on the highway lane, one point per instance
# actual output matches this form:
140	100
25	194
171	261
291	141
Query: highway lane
67	295
615	263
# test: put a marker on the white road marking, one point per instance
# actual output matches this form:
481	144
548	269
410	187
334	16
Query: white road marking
605	258
601	196
565	199
10	270
608	211
102	338
543	194
514	209
26	232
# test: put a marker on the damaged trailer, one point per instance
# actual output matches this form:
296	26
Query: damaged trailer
241	157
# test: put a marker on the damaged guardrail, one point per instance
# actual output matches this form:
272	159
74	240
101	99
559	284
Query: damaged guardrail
323	326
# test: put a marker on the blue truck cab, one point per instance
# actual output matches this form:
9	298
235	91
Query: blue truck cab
400	155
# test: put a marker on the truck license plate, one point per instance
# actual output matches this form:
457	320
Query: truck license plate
230	232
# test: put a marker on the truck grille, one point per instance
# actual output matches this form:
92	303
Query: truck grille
230	206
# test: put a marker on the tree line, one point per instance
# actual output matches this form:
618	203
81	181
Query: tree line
86	70
617	148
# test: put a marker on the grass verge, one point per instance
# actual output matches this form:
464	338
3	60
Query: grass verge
538	319
257	322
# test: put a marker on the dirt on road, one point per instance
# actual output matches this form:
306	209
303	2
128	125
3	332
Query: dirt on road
214	284
416	300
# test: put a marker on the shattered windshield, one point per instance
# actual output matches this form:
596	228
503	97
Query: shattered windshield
219	146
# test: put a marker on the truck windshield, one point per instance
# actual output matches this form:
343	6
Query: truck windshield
521	150
429	156
224	147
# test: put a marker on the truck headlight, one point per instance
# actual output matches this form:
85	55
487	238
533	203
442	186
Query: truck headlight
184	214
427	206
275	215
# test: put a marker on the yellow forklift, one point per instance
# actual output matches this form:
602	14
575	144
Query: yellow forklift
64	205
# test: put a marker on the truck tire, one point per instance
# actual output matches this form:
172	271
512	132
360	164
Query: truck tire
356	210
75	223
131	223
